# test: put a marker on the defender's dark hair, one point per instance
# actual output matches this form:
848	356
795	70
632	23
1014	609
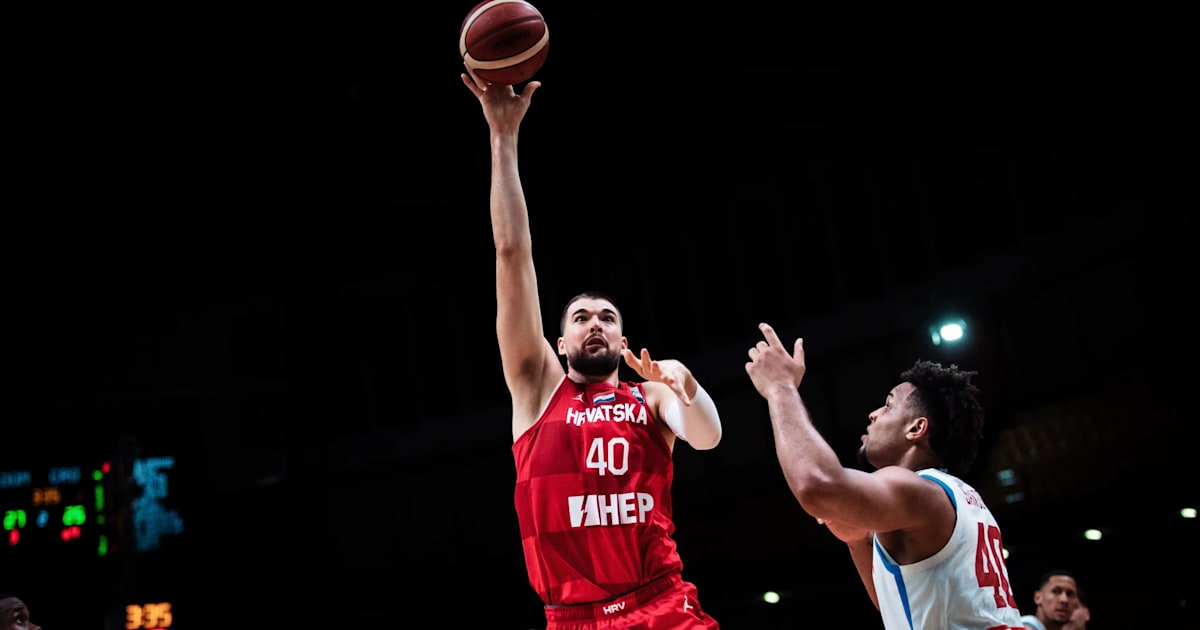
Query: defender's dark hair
947	397
590	295
1045	579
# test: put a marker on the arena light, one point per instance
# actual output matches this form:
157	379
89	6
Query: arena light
949	331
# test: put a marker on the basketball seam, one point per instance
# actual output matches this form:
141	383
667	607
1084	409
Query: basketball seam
494	64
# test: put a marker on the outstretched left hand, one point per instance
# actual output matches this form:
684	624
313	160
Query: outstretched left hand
669	372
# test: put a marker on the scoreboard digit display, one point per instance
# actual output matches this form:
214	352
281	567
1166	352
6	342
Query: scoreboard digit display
89	507
57	506
155	616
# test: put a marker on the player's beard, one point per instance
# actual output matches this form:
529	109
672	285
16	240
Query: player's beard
601	364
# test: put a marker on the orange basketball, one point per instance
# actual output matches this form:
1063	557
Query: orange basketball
504	41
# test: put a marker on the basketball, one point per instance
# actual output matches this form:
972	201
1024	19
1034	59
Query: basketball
504	41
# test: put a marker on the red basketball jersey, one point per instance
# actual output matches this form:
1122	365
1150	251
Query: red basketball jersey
593	495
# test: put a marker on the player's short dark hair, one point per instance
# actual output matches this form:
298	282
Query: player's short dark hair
947	397
1045	579
589	295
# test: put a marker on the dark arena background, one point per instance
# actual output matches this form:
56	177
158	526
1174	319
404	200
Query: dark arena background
251	374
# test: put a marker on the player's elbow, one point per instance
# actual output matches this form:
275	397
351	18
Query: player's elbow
702	421
706	440
814	490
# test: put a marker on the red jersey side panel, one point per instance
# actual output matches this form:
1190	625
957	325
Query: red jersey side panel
593	495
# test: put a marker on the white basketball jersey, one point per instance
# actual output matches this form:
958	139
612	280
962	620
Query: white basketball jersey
964	586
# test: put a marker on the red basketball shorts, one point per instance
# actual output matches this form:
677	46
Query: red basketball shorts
668	603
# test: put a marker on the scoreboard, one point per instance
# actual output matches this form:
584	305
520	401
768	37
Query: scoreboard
75	516
92	506
58	507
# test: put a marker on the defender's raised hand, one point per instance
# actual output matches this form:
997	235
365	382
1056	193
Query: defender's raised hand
771	367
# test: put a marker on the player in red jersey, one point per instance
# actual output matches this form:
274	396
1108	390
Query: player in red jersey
593	453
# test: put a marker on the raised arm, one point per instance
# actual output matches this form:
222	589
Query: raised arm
886	500
531	365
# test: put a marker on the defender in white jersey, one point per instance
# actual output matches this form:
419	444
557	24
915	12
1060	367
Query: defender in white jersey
926	547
